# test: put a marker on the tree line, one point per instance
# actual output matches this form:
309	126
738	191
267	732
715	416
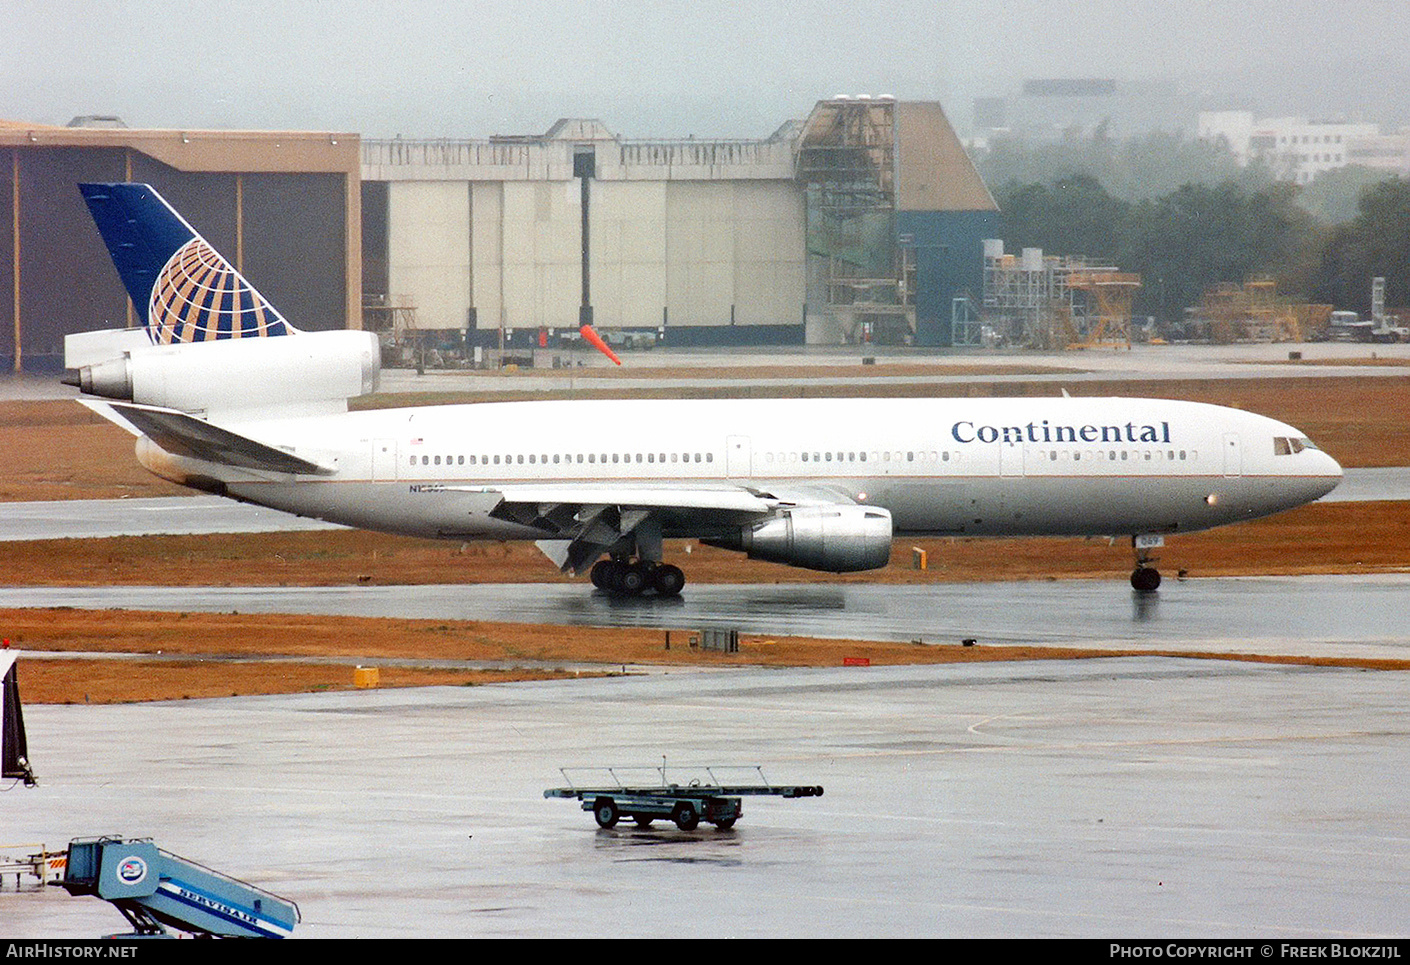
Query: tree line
1225	225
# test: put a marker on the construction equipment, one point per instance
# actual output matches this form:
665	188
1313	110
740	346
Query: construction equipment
701	797
153	888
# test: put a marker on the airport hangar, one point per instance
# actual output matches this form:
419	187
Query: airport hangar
864	220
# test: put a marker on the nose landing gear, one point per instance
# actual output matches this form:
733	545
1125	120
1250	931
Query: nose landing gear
1145	578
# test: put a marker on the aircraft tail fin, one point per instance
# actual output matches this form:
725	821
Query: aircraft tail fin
182	288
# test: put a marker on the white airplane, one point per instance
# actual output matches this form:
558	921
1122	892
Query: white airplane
226	397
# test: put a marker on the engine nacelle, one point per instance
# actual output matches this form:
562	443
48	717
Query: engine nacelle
240	373
837	539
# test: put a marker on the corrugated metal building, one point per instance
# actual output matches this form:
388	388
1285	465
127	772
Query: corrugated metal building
861	222
284	206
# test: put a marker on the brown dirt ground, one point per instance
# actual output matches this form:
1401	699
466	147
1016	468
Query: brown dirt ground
175	656
59	450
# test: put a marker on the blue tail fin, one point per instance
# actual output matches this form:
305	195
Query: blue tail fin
182	288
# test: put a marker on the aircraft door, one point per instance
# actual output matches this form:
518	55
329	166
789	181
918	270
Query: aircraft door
738	461
384	460
1233	455
1011	458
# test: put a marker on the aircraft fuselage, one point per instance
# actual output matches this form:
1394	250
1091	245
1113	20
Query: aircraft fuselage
986	467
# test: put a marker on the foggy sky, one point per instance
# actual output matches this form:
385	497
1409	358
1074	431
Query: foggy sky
666	69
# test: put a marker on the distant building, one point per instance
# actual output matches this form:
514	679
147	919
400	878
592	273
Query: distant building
861	222
1051	109
1294	148
1382	152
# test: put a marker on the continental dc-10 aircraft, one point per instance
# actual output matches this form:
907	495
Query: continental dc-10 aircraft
226	397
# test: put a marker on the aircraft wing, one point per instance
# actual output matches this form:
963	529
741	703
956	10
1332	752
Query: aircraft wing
185	435
580	522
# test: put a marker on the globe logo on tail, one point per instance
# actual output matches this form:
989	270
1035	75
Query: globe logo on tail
199	297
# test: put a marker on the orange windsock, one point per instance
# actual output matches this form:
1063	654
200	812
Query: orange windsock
596	341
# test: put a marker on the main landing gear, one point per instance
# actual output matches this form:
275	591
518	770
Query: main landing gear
1145	578
624	577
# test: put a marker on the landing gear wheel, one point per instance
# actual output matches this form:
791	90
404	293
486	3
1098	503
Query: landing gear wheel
686	817
600	573
1145	579
634	579
605	810
668	580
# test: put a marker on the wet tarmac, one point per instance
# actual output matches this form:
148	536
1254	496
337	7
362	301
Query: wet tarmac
1359	616
1131	797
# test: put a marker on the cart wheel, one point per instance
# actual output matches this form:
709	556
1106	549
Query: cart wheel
725	824
605	810
643	820
686	817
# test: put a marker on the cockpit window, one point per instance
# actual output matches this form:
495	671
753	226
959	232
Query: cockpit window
1286	446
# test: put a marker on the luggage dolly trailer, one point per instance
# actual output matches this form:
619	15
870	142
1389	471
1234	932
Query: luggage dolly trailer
695	796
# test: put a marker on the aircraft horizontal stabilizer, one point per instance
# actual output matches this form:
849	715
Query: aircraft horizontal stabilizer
185	435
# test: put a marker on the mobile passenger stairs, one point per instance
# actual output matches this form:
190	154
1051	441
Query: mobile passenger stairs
153	888
689	796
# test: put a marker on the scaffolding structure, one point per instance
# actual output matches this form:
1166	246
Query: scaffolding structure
1254	312
1047	302
393	319
846	163
1108	295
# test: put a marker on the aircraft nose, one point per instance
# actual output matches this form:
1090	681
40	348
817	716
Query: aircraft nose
1328	474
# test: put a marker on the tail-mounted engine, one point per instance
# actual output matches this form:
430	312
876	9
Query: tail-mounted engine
239	373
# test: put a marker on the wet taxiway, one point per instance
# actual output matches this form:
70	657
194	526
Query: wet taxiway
1130	797
1357	616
